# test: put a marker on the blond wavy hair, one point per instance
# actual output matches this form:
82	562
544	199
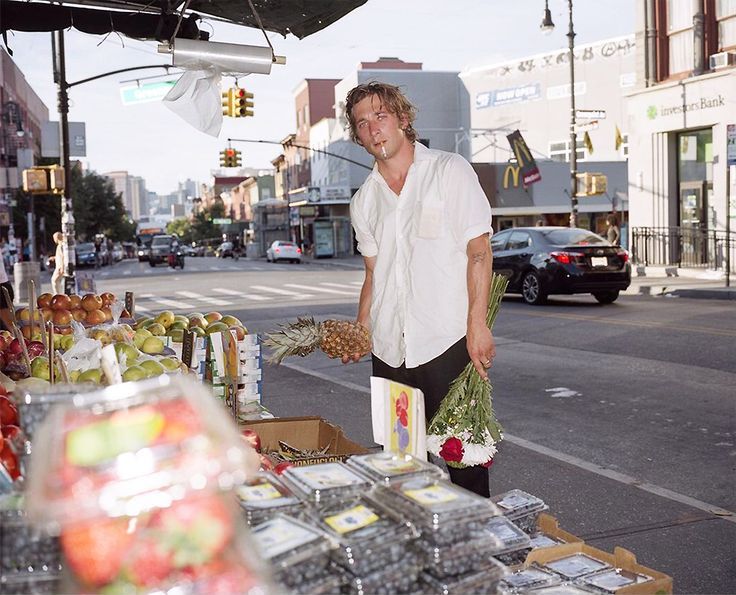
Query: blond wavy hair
392	99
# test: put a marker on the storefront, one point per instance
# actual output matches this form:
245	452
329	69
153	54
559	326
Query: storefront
677	158
319	221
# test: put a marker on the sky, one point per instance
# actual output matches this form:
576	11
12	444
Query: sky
151	141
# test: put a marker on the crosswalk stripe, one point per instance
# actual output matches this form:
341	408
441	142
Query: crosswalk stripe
257	298
146	295
140	308
203	298
174	303
322	289
126	272
356	283
227	291
352	290
293	294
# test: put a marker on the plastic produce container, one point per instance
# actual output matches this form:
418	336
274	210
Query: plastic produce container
135	479
525	579
298	553
370	537
457	558
442	511
325	482
392	579
513	544
484	579
264	496
611	580
576	565
385	467
521	508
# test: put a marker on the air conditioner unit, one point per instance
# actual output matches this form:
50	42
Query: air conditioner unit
722	60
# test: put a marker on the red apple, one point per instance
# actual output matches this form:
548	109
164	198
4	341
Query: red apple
76	301
3	363
61	302
252	438
281	467
4	343
62	317
44	300
15	347
107	298
266	463
3	390
35	348
91	302
14	436
9	460
8	412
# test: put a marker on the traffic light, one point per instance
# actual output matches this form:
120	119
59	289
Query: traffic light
227	106
230	158
242	106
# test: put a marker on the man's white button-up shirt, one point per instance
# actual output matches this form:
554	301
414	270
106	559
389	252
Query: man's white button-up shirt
419	304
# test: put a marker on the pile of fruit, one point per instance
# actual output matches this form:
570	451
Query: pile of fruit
133	479
10	437
172	325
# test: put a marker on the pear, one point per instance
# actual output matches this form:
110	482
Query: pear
140	336
93	375
130	351
67	341
156	329
134	373
152	345
152	367
170	363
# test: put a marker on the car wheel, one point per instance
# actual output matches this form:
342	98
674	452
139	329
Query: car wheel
531	289
606	297
152	263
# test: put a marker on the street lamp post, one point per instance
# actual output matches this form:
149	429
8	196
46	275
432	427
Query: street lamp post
547	26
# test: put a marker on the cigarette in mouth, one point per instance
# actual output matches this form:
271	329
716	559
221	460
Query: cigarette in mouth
383	150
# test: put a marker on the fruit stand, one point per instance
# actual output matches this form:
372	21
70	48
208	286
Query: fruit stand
137	457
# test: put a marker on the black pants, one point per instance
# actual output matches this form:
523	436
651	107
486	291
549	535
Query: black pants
433	379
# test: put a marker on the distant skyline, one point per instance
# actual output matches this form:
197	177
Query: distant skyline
150	141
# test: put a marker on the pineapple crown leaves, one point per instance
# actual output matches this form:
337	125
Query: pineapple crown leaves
299	338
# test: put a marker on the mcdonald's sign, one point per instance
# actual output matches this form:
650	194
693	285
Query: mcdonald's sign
528	167
511	171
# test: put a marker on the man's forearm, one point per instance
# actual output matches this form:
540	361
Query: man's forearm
480	267
364	303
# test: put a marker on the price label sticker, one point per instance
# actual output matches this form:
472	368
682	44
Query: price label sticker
394	466
432	495
352	519
258	493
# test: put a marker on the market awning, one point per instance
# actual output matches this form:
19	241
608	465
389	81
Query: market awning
157	20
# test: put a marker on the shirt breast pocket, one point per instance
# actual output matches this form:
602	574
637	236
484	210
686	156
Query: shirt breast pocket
430	222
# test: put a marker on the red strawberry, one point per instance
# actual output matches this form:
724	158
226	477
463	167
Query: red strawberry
95	550
231	578
196	529
150	563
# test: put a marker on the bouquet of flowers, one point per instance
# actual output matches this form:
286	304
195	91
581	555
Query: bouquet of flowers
464	431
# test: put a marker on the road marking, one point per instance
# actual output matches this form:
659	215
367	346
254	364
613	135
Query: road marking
214	268
257	269
227	291
726	515
203	298
562	391
126	272
617	321
146	295
322	289
352	290
258	298
293	294
140	308
174	304
356	283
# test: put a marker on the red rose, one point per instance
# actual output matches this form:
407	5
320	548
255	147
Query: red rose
488	463
402	403
404	418
452	450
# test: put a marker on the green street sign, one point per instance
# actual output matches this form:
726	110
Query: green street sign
222	221
145	93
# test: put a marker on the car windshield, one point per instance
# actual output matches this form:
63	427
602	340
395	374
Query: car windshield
161	241
573	237
85	247
286	244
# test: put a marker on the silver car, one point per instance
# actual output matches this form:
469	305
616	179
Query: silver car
281	250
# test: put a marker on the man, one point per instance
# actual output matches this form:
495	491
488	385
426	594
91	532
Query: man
57	278
422	223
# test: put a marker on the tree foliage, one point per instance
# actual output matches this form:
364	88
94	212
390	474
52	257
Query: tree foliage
182	228
202	227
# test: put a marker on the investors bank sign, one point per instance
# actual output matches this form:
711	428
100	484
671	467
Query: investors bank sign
704	103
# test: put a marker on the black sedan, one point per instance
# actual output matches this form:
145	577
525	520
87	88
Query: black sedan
540	261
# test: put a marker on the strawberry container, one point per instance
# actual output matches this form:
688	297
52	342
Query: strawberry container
385	467
264	495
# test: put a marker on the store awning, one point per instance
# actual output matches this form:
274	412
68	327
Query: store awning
158	20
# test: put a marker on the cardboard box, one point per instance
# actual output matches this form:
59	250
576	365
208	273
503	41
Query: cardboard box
548	525
306	433
621	558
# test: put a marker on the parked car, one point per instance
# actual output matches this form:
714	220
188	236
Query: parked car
224	250
541	261
86	255
281	250
159	251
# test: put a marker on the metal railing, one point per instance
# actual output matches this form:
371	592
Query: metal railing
684	247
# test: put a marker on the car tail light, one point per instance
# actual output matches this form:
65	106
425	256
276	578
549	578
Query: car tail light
623	255
277	249
298	250
565	257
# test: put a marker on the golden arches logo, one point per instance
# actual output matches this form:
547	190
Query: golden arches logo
514	171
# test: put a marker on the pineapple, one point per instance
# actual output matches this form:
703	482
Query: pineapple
337	338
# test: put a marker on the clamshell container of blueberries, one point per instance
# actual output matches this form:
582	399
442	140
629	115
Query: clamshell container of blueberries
386	467
521	508
264	495
325	483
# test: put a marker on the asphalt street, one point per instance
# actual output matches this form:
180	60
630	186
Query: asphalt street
621	417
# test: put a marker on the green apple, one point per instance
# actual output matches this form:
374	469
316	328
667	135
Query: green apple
165	318
130	352
181	318
156	329
152	367
67	342
170	363
216	327
74	375
134	373
40	367
198	331
140	336
176	334
93	375
152	345
178	324
58	341
231	320
144	322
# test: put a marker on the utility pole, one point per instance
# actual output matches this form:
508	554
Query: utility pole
67	211
573	133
